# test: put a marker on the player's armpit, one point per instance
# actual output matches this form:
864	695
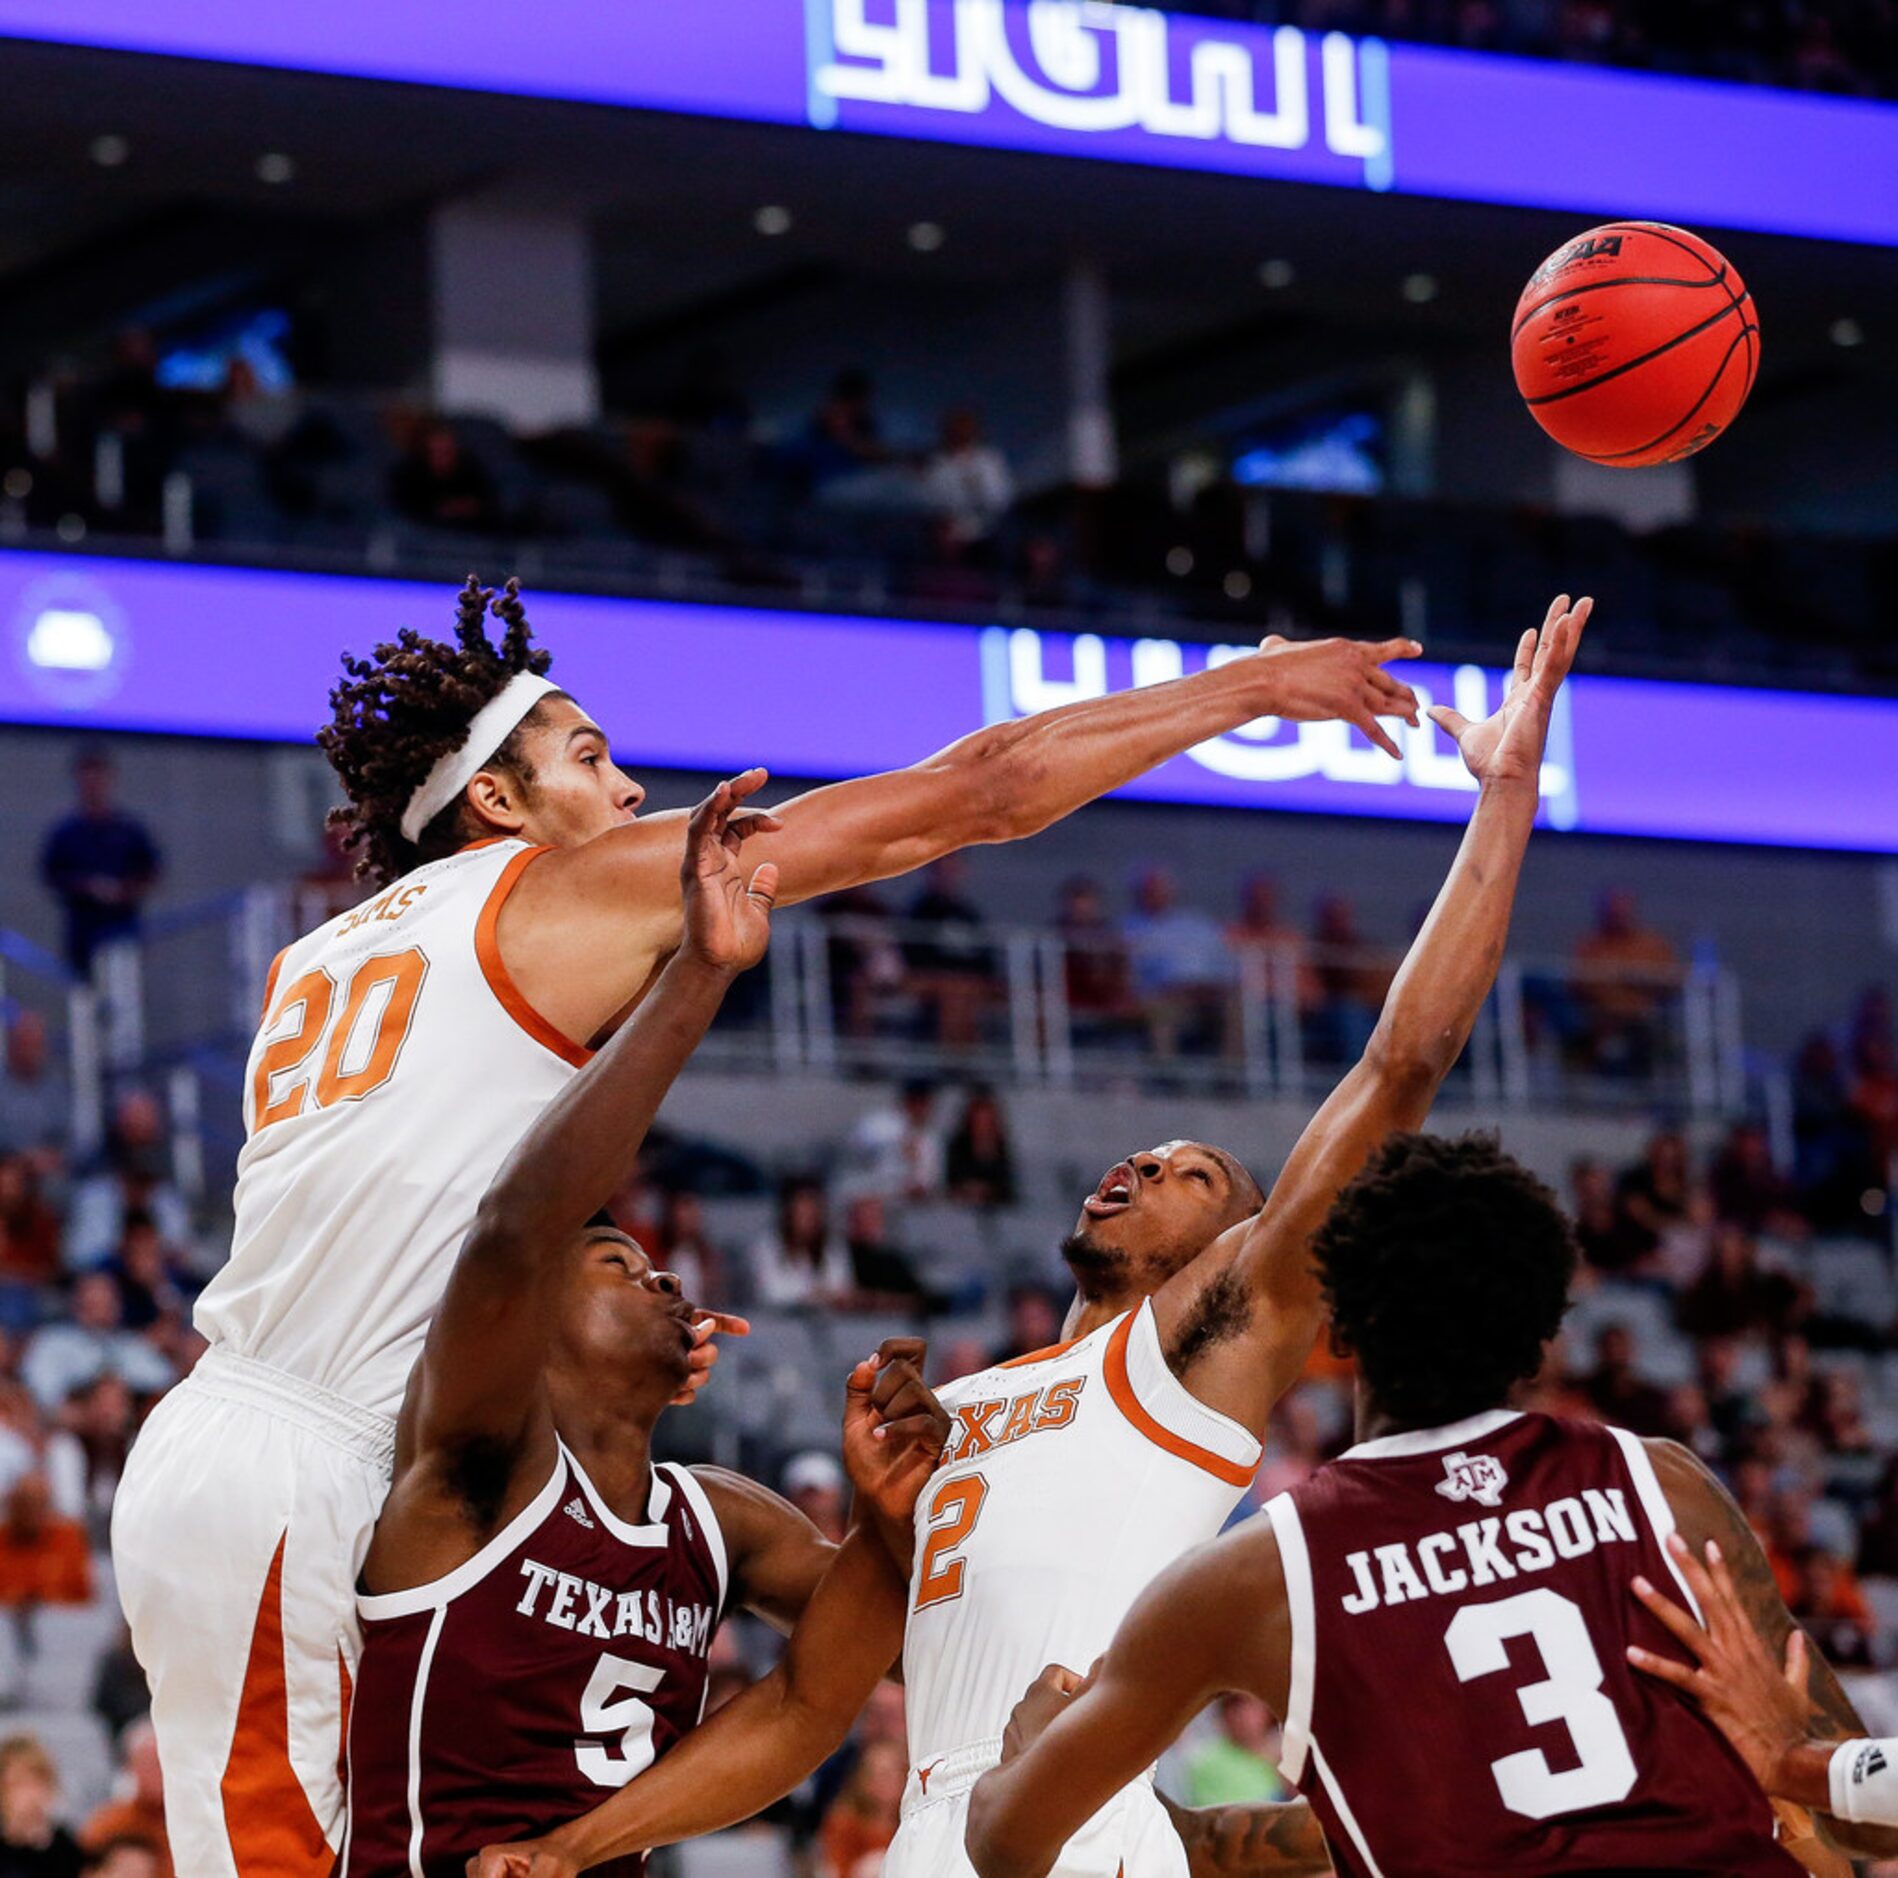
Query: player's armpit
1205	1626
1704	1510
1284	1841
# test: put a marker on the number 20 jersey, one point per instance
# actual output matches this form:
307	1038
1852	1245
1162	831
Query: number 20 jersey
396	1066
1461	1701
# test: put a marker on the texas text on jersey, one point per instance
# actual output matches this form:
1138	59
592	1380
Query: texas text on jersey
516	1693
1461	1701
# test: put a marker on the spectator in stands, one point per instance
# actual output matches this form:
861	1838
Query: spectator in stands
966	486
1749	1190
862	1819
1621	1395
129	1180
1262	928
1608	1240
44	1557
1353	976
685	1247
1734	1296
250	410
1626	975
979	1163
1875	1099
845	434
67	1356
35	1105
1035	1315
1831	1604
1832	1163
864	958
1716	1361
1655	1198
1878	1549
1295	1451
951	966
439	484
896	1149
814	1484
882	1272
800	1262
33	1844
1098	977
1237	1765
137	1810
125	1858
1182	972
86	1450
29	1228
100	862
120	1693
151	1278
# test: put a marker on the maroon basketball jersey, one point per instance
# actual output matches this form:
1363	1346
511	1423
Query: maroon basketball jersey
1460	1698
519	1691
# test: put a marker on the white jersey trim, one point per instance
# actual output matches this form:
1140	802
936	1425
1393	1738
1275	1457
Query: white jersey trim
417	1696
1346	1818
658	1498
1660	1515
1295	1562
375	1607
1432	1440
701	1503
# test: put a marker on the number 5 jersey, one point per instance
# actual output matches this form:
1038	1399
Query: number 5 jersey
517	1692
1461	1701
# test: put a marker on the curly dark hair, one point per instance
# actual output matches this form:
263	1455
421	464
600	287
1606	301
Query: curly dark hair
394	715
1446	1265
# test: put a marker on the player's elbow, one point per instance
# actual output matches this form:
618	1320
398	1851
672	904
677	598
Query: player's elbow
993	1840
500	1233
1410	1065
998	778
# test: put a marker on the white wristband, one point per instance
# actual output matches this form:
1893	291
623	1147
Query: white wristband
1863	1777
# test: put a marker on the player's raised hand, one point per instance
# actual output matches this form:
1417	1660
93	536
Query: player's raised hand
727	916
1507	746
705	1327
1760	1705
894	1428
1320	679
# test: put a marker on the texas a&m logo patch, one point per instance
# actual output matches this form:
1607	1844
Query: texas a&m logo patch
1478	1477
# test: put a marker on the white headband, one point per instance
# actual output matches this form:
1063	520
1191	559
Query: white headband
454	770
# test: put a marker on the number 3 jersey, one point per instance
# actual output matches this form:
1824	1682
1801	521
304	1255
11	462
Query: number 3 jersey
1461	1701
395	1068
519	1691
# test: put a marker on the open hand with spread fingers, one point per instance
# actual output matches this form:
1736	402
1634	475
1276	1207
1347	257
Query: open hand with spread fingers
1317	680
1507	745
727	916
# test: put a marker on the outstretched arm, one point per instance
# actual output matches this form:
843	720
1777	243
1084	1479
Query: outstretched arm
1743	1605
1211	1623
480	1371
585	925
1426	1021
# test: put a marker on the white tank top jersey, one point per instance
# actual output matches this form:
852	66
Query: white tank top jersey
1073	1477
396	1067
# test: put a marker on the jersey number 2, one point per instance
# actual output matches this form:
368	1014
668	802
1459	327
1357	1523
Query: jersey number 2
376	1010
1571	1693
606	1710
952	1516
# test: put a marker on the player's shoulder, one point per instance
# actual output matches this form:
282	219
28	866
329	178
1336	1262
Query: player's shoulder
748	1512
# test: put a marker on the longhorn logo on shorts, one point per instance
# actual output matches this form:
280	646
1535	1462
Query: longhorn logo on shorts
1478	1477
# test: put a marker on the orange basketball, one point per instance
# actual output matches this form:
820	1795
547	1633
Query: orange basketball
1636	343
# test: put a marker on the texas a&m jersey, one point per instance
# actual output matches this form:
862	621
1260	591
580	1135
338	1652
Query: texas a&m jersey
1461	1700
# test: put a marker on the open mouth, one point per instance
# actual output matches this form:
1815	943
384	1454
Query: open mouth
1114	1195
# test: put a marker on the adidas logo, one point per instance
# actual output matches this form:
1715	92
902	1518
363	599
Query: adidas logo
575	1509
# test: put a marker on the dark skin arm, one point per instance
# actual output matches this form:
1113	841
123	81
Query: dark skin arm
479	1388
1707	1515
1259	1276
1241	1841
1214	1622
587	926
775	1733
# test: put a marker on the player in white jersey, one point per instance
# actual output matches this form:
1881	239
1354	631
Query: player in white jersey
404	1049
1073	1476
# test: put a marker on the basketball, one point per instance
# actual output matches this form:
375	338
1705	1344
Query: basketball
1636	343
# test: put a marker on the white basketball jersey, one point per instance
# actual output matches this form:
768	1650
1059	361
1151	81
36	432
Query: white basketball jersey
1072	1478
396	1068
